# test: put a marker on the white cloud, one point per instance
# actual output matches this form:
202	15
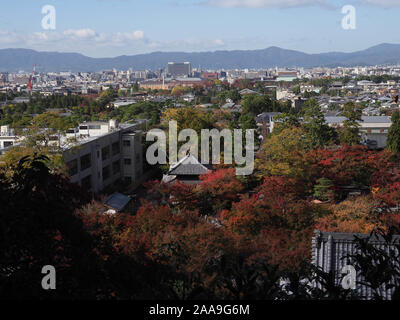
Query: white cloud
138	34
128	36
8	37
43	37
80	34
265	3
93	43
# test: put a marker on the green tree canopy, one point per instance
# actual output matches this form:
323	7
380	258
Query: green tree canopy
393	142
350	132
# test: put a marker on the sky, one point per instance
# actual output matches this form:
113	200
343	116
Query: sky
109	28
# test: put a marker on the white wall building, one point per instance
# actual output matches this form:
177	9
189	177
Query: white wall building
98	154
106	152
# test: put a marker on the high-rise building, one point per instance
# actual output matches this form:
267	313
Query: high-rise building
175	69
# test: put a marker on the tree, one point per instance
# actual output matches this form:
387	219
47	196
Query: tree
284	154
314	121
347	165
220	188
323	190
354	215
189	118
285	121
350	133
178	91
254	104
393	141
277	220
39	228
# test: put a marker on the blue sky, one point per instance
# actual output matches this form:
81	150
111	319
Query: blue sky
106	28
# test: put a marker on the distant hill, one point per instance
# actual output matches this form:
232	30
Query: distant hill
23	59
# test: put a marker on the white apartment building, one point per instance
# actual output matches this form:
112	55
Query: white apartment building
106	153
98	154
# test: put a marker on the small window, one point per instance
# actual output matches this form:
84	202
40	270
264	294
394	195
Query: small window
105	153
87	182
86	162
127	161
106	173
72	167
115	148
126	143
128	180
116	167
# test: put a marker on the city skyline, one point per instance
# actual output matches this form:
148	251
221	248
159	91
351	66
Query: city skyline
135	27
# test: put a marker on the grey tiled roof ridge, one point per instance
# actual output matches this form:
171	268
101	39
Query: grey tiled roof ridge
349	236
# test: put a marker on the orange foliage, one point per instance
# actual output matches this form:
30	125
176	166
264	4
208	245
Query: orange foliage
354	215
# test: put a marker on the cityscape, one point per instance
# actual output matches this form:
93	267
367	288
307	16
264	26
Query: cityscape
218	175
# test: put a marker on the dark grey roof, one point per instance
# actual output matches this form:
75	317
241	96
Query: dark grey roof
189	165
189	169
329	252
365	119
117	201
266	116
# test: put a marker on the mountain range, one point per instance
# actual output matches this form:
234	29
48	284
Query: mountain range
13	60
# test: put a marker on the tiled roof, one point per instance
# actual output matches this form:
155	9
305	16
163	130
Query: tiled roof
330	252
189	165
366	119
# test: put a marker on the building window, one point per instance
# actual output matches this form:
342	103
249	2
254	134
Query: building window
106	173
127	161
72	167
126	143
8	144
95	127
128	180
87	182
116	167
86	162
115	148
105	153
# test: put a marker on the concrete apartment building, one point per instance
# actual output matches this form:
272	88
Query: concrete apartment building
107	152
98	154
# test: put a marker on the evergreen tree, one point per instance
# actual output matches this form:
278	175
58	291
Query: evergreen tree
318	131
350	132
393	142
